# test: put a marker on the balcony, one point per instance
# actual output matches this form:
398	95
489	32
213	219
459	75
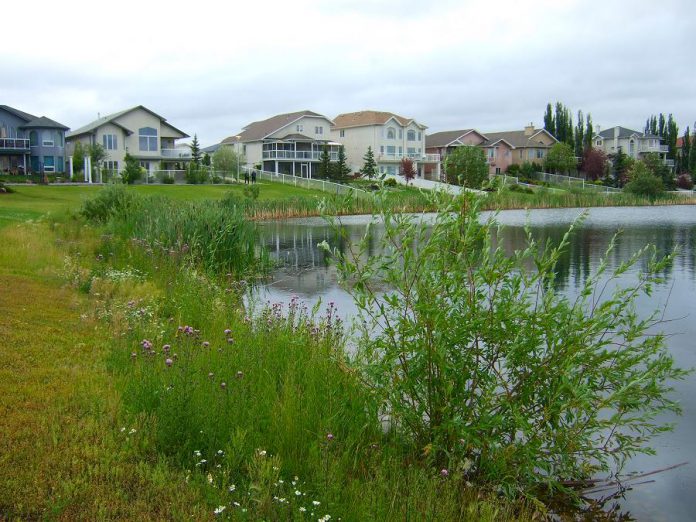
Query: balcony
183	154
425	158
14	145
669	162
311	155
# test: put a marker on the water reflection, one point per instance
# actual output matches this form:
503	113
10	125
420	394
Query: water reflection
304	271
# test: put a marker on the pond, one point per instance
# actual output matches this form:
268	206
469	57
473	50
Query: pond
304	272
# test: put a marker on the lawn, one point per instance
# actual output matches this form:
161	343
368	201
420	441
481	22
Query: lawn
33	201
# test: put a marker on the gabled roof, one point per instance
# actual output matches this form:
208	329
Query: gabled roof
517	139
365	118
446	138
211	148
259	130
34	122
93	126
623	133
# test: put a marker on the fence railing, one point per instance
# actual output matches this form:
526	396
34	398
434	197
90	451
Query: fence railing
571	181
14	143
309	183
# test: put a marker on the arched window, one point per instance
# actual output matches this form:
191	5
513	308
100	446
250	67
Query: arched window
33	139
631	146
391	133
147	139
411	135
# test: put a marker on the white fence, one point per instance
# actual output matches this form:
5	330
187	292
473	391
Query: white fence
570	181
309	183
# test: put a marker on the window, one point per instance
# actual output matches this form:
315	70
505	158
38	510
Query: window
244	149
540	153
411	135
148	139
342	133
110	141
381	149
401	151
598	143
111	165
60	166
391	133
530	154
33	139
318	130
59	140
631	147
411	151
47	139
497	170
391	150
300	127
420	136
401	134
491	153
391	170
49	164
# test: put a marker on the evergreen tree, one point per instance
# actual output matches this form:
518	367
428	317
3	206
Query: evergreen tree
206	159
671	135
132	171
589	133
325	163
621	165
580	135
685	152
661	126
549	122
195	151
369	169
78	158
342	169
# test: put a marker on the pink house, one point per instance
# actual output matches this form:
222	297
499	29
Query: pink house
443	143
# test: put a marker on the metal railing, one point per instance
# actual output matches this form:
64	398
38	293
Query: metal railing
14	143
309	183
429	158
570	181
297	155
176	153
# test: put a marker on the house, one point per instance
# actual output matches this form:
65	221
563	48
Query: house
289	143
632	143
30	143
444	143
502	149
392	138
142	133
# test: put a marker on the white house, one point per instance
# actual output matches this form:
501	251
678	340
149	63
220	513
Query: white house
391	137
632	143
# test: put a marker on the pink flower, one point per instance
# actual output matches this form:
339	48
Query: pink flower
227	331
166	348
168	361
329	437
444	472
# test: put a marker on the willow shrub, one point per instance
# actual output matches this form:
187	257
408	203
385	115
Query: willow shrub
483	367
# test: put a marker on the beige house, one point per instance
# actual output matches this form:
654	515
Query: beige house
139	131
391	137
289	143
445	142
633	143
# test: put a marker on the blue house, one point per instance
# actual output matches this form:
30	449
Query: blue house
30	143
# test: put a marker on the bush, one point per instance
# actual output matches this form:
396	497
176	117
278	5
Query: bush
167	179
521	189
685	182
487	368
4	189
391	182
217	180
252	192
110	201
513	169
643	182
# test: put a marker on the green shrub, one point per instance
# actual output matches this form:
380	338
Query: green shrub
390	182
112	200
4	189
481	365
167	179
643	182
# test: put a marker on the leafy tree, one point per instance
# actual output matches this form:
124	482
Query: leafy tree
325	163
589	133
225	160
561	158
549	121
206	161
684	181
132	171
657	167
482	372
407	170
369	169
643	182
195	151
342	169
621	165
594	163
685	152
466	166
78	159
580	136
97	154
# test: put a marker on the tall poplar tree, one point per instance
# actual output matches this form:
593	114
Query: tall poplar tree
589	132
580	135
549	122
685	152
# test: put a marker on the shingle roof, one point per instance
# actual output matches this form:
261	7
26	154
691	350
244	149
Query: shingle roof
364	118
623	132
90	127
517	139
258	130
444	138
20	114
34	121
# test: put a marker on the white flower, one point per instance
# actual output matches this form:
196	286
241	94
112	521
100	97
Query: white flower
197	453
325	518
237	504
219	510
298	493
220	452
132	431
303	509
232	488
281	481
316	502
123	429
262	453
210	478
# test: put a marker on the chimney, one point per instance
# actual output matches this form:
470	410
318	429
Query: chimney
529	129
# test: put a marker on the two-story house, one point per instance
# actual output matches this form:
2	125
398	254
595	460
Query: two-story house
391	137
445	142
517	147
142	133
632	143
290	143
30	143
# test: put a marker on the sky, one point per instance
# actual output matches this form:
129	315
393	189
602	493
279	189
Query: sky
210	68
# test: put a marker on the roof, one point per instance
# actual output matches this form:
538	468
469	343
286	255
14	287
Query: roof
91	127
258	130
34	121
212	148
623	133
444	138
364	118
296	137
517	139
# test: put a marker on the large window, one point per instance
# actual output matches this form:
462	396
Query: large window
391	150
148	139
33	139
299	127
47	139
318	130
391	133
411	152
110	141
411	135
60	164
49	164
540	153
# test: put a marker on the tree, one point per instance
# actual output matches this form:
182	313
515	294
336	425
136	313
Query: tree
580	136
206	160
685	155
195	151
671	136
589	133
78	160
132	171
692	154
407	170
549	121
325	163
226	160
97	153
594	164
341	167
561	158
657	167
643	182
620	167
466	166
369	169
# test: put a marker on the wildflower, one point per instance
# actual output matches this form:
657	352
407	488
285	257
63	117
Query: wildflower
316	502
232	488
230	340
325	518
303	509
123	429
444	472
132	431
166	348
147	345
281	481
227	332
168	361
329	437
133	355
197	453
220	452
223	385
298	493
206	344
211	375
236	504
210	478
261	453
240	375
219	510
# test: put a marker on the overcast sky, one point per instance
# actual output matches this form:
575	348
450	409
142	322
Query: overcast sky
211	68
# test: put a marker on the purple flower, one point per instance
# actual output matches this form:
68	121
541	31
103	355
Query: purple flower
227	332
329	437
444	472
168	361
146	344
166	348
